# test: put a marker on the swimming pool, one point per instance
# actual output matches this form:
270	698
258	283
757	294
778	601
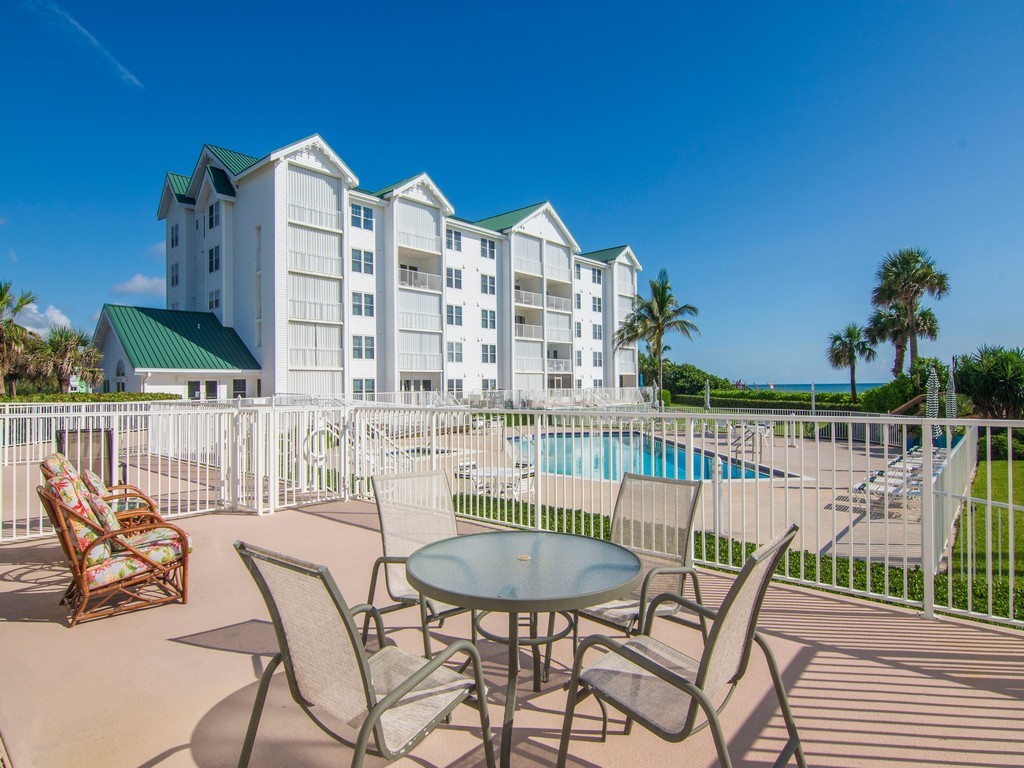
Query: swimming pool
609	455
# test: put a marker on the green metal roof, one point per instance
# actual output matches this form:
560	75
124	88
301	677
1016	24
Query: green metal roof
179	186
391	187
364	190
606	255
235	162
504	221
168	338
221	182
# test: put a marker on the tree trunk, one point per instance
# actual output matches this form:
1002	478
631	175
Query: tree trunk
3	388
901	356
661	378
912	331
853	381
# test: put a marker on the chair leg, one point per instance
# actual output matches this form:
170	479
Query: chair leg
547	647
793	746
427	654
485	725
570	710
604	718
257	710
536	653
575	632
700	601
369	601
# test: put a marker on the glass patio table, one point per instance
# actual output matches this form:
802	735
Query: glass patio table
517	572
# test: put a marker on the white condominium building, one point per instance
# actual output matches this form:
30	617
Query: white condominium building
337	290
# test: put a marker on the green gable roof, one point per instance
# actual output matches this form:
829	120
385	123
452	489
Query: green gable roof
391	187
235	162
606	255
179	186
504	221
221	182
168	338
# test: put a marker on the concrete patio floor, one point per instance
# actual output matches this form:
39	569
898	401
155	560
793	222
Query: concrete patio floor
870	685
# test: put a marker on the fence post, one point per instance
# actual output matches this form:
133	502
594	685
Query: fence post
433	441
273	458
717	487
928	563
538	496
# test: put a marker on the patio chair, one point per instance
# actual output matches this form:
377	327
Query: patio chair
414	509
670	693
391	695
115	568
126	500
653	518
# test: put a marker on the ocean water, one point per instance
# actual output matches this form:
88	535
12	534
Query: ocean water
844	387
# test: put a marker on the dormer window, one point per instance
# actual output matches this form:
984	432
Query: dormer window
213	215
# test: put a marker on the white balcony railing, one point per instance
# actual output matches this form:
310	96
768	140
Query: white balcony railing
420	242
312	357
559	303
419	361
411	278
316	217
559	366
524	331
627	366
529	364
555	272
527	266
314	262
529	298
419	321
308	310
559	334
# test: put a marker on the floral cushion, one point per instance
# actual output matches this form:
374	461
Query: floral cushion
126	564
82	534
95	483
158	536
58	464
103	512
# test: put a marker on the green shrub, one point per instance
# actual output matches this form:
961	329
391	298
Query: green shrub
687	379
89	397
888	397
666	398
726	400
998	443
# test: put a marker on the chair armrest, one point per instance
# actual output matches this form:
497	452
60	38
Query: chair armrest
378	620
651	574
612	646
671	597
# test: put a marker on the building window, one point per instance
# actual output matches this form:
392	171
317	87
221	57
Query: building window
598	359
489	353
213	215
579	330
598	331
214	300
453	277
362	304
369	347
453	240
238	388
487	248
362	261
579	358
579	299
363	348
595	303
489	385
454	351
455	386
174	236
174	274
487	284
211	390
595	276
362	217
193	390
213	259
577	270
598	383
454	315
488	318
579	383
364	389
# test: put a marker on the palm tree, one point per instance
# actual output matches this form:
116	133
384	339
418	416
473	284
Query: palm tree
904	277
889	324
68	351
12	335
844	347
651	319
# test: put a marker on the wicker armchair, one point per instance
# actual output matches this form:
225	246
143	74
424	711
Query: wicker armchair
653	518
127	501
670	693
391	695
115	568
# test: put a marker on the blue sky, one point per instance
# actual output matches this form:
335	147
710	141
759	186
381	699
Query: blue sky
767	154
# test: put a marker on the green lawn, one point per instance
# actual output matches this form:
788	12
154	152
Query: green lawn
999	519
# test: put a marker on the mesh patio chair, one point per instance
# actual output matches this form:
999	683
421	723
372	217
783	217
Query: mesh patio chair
672	694
653	518
391	695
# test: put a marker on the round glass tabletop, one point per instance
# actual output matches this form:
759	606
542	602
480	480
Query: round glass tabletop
523	571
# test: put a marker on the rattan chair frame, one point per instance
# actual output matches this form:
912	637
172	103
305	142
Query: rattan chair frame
119	493
701	702
474	696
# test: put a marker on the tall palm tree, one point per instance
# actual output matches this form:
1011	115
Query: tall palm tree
651	319
12	335
904	277
844	347
68	351
890	324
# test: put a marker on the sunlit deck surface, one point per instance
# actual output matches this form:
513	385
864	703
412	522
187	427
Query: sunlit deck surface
870	685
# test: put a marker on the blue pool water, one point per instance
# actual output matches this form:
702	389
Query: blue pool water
609	455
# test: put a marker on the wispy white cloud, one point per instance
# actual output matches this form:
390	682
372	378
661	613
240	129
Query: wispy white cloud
157	250
53	12
40	322
13	255
140	285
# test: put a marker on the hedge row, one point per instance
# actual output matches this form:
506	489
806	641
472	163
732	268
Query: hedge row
89	397
777	403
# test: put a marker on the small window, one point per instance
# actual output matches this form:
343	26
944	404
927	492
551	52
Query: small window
489	353
174	236
579	357
364	389
453	240
357	389
193	390
487	284
579	383
238	388
595	275
357	347
174	274
488	248
489	385
579	298
213	259
579	330
369	348
598	359
362	217
119	369
595	303
214	300
598	383
454	351
362	304
598	331
454	315
455	386
211	390
488	318
453	277
213	215
362	261
577	270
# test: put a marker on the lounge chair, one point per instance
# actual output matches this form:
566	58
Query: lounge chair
392	696
672	694
123	499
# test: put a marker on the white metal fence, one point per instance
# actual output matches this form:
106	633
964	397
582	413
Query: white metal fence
933	525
